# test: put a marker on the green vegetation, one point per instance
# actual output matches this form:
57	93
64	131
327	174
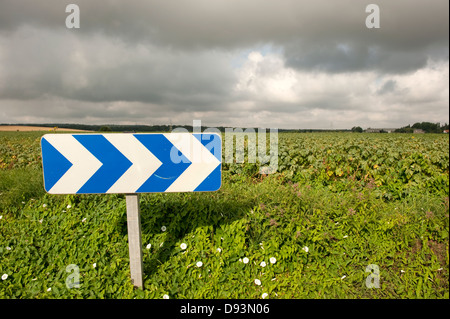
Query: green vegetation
338	203
427	127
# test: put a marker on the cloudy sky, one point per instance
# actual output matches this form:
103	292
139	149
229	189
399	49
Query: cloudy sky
260	63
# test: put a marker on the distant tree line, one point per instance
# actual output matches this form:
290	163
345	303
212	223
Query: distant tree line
357	129
158	128
427	127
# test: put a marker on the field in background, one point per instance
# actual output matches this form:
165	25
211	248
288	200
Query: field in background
339	203
23	128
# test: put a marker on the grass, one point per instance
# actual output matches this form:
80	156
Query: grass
258	218
18	186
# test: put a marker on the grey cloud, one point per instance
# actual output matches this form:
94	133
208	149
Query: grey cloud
154	60
342	57
388	86
97	70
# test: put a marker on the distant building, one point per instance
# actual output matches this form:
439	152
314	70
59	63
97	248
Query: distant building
418	131
380	130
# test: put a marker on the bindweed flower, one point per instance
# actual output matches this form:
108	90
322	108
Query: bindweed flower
94	265
148	246
264	295
258	282
4	276
199	264
305	248
343	277
183	246
263	264
83	220
163	228
68	206
273	260
219	250
166	297
45	205
245	260
8	248
49	289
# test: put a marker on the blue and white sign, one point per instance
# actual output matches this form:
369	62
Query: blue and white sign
131	163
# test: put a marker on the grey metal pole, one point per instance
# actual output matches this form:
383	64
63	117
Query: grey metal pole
134	239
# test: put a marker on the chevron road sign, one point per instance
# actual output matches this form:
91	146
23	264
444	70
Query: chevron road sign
131	163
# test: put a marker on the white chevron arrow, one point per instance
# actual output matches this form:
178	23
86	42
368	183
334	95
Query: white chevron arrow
144	163
203	162
84	164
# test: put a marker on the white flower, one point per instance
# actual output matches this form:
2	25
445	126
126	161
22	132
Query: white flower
49	289
4	276
245	260
45	205
166	297
240	259
273	260
199	264
68	206
345	236
183	246
94	265
163	228
305	248
264	295
83	220
402	271
41	220
257	282
219	249
148	246
343	277
1	216
8	248
263	264
160	245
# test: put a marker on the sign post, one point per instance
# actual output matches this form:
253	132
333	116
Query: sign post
134	239
131	164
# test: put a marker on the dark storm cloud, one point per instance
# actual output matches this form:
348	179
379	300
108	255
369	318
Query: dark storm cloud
410	33
96	69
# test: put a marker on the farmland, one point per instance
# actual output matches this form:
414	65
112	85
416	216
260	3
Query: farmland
338	203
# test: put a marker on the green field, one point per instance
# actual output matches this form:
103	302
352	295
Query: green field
338	203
